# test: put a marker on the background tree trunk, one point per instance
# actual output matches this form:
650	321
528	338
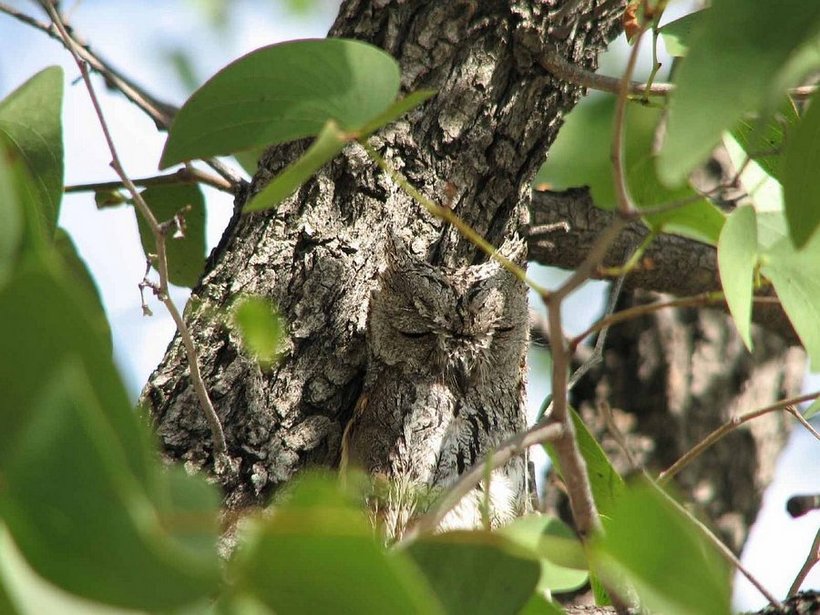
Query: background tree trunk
474	147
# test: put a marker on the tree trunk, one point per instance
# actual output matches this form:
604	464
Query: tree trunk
474	147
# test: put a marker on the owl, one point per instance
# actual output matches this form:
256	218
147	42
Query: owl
444	385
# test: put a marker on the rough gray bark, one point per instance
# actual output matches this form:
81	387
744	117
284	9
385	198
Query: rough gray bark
475	146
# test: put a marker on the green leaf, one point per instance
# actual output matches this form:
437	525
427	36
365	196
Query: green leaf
30	118
581	156
764	139
11	212
248	159
677	34
796	278
330	142
752	40
737	257
77	513
663	555
812	410
82	279
281	93
607	485
563	561
186	254
315	556
801	190
538	605
475	572
260	327
45	319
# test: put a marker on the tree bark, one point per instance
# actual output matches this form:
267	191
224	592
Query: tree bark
475	147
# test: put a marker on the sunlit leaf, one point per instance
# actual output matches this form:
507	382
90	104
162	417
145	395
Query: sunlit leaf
737	257
330	142
260	327
185	246
581	156
281	93
662	555
30	118
796	278
801	189
556	546
735	54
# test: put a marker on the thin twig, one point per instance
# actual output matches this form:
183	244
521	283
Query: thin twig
728	427
159	236
625	205
450	216
160	112
553	62
185	175
725	551
547	431
700	300
812	559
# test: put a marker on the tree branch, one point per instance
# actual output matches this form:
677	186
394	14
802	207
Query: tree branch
159	232
671	264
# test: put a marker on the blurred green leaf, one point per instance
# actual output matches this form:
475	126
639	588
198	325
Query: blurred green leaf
46	319
186	254
737	257
314	557
677	34
11	211
81	278
563	562
801	190
796	278
662	554
812	410
77	513
30	118
538	605
581	156
281	93
752	40
475	572
764	140
260	327
327	144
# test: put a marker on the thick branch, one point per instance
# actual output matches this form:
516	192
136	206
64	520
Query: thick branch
671	264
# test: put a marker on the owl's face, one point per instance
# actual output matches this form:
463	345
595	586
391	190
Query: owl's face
460	326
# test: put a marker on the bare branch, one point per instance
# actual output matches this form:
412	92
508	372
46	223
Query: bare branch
730	426
159	237
185	175
812	559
